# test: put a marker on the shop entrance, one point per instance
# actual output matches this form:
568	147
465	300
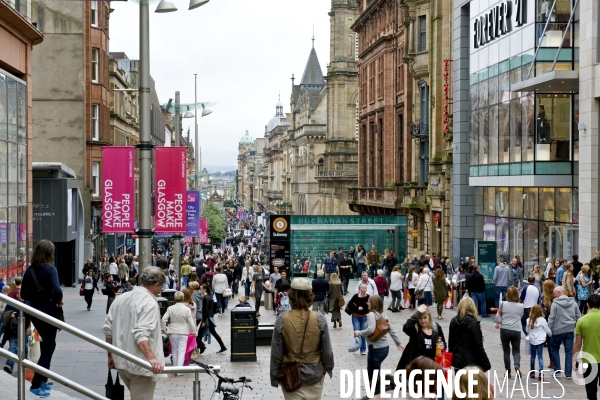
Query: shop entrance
564	242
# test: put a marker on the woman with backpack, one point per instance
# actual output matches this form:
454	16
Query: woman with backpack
376	336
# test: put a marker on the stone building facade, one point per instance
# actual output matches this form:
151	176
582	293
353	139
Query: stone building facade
405	155
340	159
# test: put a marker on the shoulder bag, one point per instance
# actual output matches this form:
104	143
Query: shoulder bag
498	317
289	374
420	294
60	315
382	327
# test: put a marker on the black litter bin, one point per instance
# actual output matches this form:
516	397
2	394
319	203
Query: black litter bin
169	294
243	334
162	305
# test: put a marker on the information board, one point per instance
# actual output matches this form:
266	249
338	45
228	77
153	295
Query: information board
486	258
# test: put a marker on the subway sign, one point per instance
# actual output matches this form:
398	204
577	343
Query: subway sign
498	21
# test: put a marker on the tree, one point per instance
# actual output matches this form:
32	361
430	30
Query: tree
216	222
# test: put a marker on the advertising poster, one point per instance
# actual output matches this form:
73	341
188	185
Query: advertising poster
280	244
486	259
118	180
170	186
203	237
192	213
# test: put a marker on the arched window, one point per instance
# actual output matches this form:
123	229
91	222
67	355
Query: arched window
320	166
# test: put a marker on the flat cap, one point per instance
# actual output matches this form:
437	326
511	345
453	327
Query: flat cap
301	284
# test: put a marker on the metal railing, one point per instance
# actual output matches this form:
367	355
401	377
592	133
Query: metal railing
22	362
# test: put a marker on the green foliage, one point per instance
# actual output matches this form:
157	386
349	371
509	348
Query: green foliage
216	222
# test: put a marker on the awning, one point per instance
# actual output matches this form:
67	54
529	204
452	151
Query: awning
553	81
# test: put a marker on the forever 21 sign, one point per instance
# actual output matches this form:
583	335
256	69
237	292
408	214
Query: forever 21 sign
498	21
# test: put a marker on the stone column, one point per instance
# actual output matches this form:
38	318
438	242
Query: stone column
588	137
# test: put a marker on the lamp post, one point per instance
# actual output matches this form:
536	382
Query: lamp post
145	231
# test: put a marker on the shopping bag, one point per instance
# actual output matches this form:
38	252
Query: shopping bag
445	361
527	346
114	391
34	348
354	345
406	298
191	345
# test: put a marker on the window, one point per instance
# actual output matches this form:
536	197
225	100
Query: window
422	33
400	147
424	132
380	156
95	179
380	78
94	12
95	122
95	52
372	82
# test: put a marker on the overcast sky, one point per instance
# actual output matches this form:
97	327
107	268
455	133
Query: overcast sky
244	52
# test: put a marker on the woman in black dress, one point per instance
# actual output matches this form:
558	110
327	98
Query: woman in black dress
424	335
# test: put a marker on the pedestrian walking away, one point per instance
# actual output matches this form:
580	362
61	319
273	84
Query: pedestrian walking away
178	323
41	288
508	319
302	335
335	296
537	329
133	324
465	339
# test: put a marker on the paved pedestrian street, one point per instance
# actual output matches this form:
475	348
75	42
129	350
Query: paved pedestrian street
86	364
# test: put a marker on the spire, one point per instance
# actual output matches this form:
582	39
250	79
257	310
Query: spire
313	38
279	108
313	74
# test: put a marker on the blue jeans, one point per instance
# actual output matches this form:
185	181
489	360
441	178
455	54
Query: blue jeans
360	324
537	350
247	289
526	312
375	359
222	302
360	269
479	299
186	280
500	293
567	340
13	345
427	300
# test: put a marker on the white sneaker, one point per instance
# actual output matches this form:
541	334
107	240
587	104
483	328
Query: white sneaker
362	353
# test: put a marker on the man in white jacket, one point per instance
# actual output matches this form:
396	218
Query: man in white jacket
371	287
133	324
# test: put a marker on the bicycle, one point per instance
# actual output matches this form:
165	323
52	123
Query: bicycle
225	386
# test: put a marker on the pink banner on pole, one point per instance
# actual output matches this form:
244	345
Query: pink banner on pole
170	202
203	238
118	180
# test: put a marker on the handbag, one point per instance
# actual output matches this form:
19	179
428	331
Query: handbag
60	315
347	310
227	292
341	302
498	317
81	291
382	327
289	374
114	391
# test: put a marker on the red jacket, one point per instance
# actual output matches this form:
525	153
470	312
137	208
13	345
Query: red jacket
382	285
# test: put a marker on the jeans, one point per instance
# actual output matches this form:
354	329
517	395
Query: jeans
185	280
526	312
360	324
247	289
235	285
361	268
319	306
567	340
510	338
500	293
479	299
13	345
345	281
537	350
375	359
396	299
591	388
222	302
47	346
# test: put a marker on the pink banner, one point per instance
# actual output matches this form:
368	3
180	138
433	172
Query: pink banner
118	175
170	201
203	238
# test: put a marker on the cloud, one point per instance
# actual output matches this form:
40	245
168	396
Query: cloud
244	52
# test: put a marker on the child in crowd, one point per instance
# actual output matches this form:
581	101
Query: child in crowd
537	329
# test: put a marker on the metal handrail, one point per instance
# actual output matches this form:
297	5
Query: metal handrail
538	45
22	362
